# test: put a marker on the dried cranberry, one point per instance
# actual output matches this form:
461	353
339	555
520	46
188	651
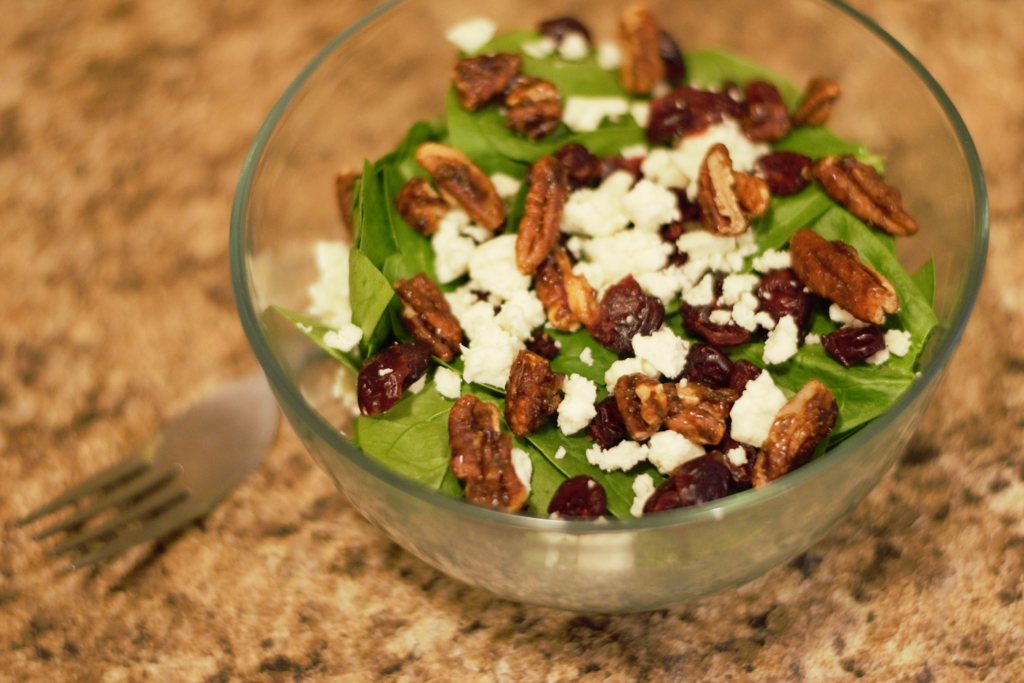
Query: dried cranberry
743	371
784	172
559	27
625	311
708	366
580	496
672	232
386	374
672	57
689	211
851	345
697	481
765	116
686	110
740	472
614	163
781	293
581	167
697	320
734	91
607	428
542	344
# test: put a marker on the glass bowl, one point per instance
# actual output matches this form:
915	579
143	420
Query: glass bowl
357	98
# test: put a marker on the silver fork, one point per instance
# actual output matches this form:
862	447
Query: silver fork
178	475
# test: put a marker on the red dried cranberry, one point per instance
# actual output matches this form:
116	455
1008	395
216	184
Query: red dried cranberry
672	57
697	481
686	110
851	345
625	311
765	116
708	366
672	232
542	344
386	374
581	167
743	371
614	163
733	91
784	172
559	27
781	293
607	428
689	211
697	320
740	473
580	496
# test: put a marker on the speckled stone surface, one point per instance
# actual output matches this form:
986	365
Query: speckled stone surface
122	130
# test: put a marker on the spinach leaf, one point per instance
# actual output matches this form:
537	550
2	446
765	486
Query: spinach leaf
370	293
817	142
568	358
415	254
315	330
713	67
467	132
786	215
544	482
404	156
924	278
450	486
376	237
517	208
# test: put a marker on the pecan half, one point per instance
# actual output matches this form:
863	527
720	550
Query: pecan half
833	270
533	392
799	427
482	455
344	190
462	182
720	211
751	193
625	310
478	80
642	65
698	412
428	317
643	404
816	106
569	299
421	206
534	107
859	188
765	116
582	168
542	215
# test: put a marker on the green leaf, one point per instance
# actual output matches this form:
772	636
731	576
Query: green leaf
544	482
376	235
315	330
403	158
817	142
450	486
516	209
786	215
466	131
568	358
924	278
712	68
370	293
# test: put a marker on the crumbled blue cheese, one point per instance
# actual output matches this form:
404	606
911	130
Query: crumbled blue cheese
628	366
669	450
329	294
643	488
771	260
523	466
651	206
452	251
622	456
600	211
609	56
662	349
585	114
782	342
505	185
345	339
737	456
630	252
560	453
692	149
472	34
448	383
587	356
754	411
659	166
577	407
840	315
540	48
417	386
493	267
574	47
641	113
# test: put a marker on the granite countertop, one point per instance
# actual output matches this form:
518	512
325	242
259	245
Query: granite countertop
123	125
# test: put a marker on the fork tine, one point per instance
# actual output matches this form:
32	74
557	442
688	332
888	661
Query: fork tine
135	487
164	498
127	468
171	519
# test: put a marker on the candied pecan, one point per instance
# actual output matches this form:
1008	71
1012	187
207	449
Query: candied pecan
859	188
580	496
534	107
708	366
569	299
720	211
582	168
482	455
740	469
784	172
421	206
533	392
559	27
685	111
696	481
478	80
388	373
428	317
781	293
542	344
833	270
463	183
743	371
542	214
697	320
816	106
799	427
642	66
851	345
607	428
698	412
344	191
672	58
642	403
765	117
625	311
751	193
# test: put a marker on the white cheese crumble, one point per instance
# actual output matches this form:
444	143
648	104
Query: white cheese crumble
329	294
660	167
771	260
609	56
417	386
587	356
345	339
600	211
628	366
755	410
489	357
523	466
782	342
714	252
477	233
344	388
631	252
560	453
703	294
744	312
577	407
878	357
622	456
651	206
669	450
737	456
641	113
664	284
693	148
505	185
765	320
637	151
541	48
452	251
575	47
521	314
493	267
840	315
812	339
585	114
448	383
720	317
472	34
662	349
643	488
384	371
735	286
575	246
897	342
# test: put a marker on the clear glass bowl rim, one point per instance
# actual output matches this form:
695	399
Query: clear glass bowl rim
289	394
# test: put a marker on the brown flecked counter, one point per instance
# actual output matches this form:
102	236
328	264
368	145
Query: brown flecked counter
123	125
